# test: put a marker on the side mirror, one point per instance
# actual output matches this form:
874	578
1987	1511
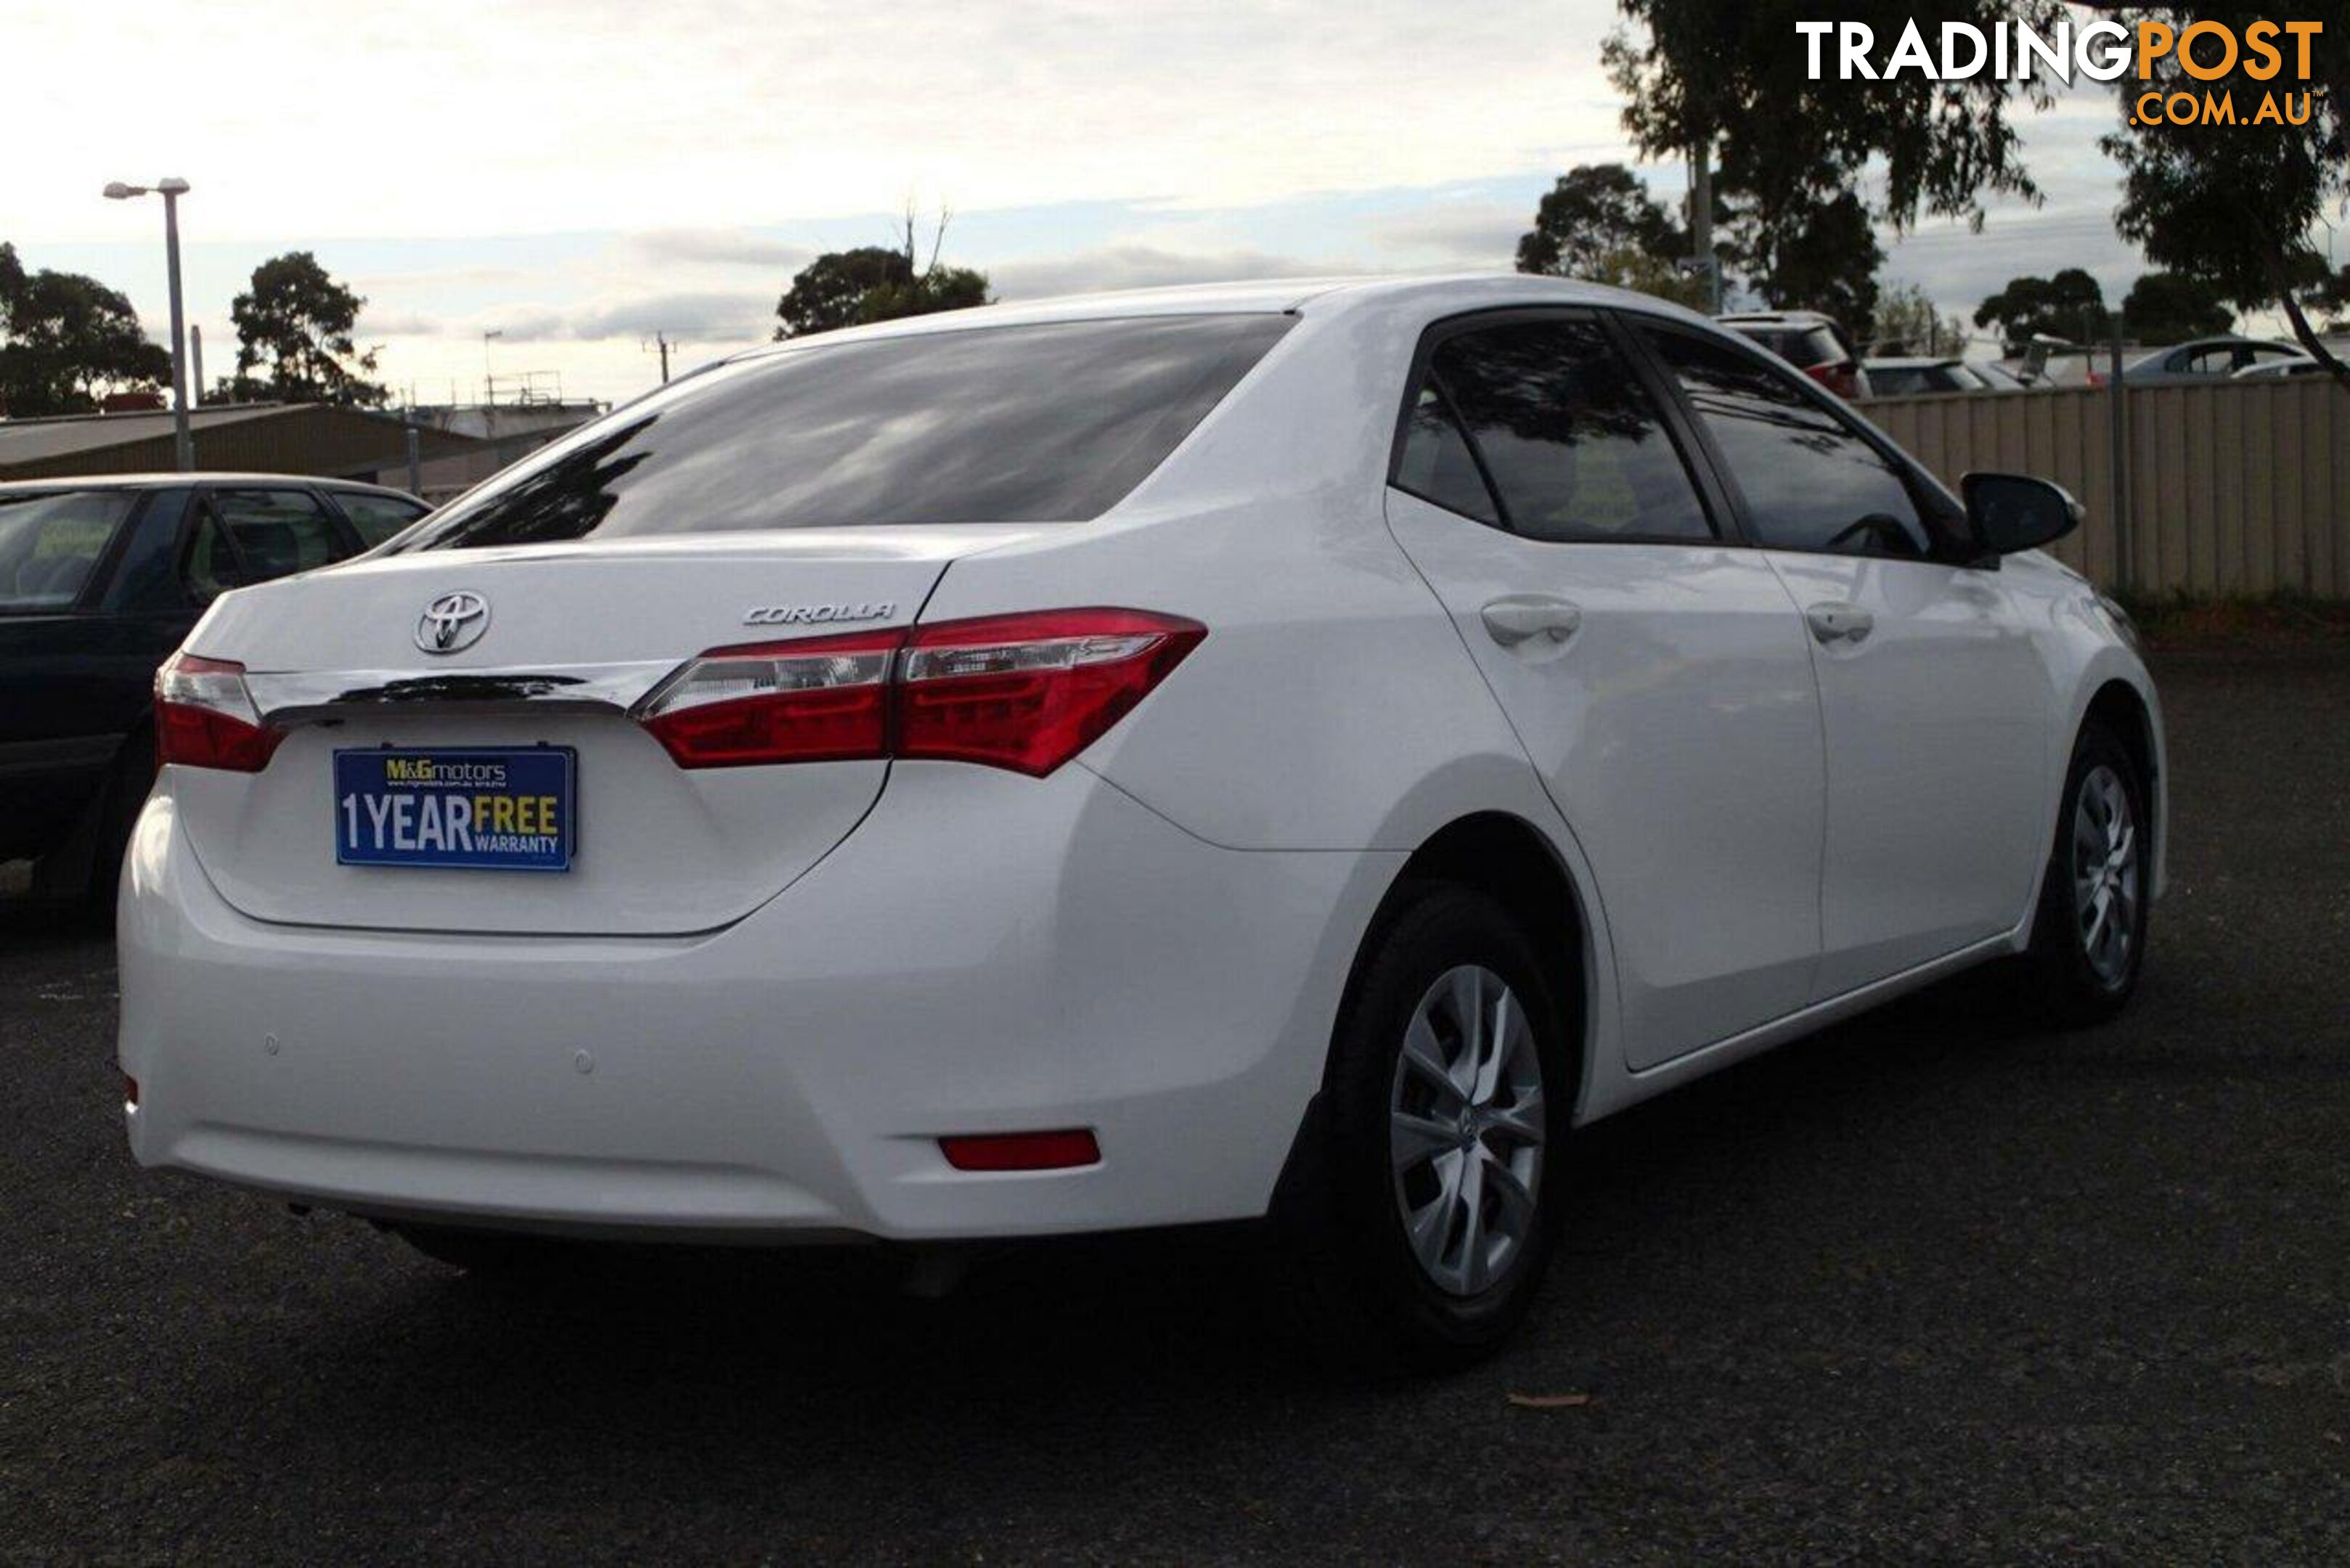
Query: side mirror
2013	511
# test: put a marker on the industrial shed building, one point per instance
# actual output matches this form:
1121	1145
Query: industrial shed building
312	439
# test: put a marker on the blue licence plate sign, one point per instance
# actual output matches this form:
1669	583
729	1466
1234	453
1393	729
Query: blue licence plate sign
476	808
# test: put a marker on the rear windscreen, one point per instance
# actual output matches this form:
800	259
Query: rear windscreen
49	544
1047	423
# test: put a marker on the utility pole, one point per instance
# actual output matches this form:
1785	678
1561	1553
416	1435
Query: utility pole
196	366
663	340
489	382
1702	220
2118	402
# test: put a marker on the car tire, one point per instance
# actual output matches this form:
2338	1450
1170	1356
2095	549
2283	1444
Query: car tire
2089	933
1376	1236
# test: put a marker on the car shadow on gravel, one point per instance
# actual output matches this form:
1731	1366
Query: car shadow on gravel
646	1346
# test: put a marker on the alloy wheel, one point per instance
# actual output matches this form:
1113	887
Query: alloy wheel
2106	874
1466	1131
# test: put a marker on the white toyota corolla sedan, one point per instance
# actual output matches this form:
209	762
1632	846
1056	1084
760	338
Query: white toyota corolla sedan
1286	752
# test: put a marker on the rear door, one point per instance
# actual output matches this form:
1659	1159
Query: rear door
1654	669
1935	703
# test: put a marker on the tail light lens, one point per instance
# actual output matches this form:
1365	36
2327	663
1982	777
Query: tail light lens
821	698
204	716
1030	691
1840	376
1025	693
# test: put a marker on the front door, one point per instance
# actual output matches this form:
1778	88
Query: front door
1934	704
1657	675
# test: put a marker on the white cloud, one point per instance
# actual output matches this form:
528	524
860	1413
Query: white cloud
720	247
1145	266
453	117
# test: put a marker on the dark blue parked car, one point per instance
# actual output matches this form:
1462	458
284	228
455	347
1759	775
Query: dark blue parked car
100	580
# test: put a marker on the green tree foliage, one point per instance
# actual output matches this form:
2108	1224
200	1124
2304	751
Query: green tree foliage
874	283
67	340
1812	253
1652	275
1593	213
1698	71
2171	308
295	326
2071	306
1907	323
830	291
2238	205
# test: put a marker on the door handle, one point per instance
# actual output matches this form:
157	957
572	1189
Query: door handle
1522	618
1837	621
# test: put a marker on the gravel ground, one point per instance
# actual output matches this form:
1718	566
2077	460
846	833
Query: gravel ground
1931	1285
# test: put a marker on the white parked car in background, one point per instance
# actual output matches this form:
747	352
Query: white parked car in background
1290	751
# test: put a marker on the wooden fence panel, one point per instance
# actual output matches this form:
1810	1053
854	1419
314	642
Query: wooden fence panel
2235	486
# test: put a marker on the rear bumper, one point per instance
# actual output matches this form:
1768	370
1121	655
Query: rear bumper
986	953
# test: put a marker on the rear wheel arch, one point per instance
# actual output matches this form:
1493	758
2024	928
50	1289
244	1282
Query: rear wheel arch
1509	860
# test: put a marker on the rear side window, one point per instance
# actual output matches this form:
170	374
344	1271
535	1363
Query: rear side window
1437	464
277	532
50	543
1047	423
1574	446
377	517
1810	481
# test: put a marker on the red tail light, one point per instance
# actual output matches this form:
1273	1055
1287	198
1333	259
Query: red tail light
205	717
821	698
1025	693
1030	691
1839	377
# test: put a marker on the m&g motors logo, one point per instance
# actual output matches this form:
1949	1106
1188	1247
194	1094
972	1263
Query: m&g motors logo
2103	50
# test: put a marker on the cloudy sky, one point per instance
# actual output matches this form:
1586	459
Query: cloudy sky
577	175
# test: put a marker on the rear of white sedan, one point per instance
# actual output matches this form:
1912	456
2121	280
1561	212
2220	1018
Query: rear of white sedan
630	852
1284	752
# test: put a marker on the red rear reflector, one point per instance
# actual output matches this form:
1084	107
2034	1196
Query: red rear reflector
204	716
130	1093
1061	1150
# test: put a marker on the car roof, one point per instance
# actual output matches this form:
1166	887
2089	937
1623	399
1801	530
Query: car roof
1436	293
1911	361
1775	317
158	480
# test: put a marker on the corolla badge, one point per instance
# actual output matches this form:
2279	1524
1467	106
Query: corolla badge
817	614
452	622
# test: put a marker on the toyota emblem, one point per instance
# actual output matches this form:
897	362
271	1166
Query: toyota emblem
453	622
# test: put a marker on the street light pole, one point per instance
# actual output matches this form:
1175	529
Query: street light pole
183	443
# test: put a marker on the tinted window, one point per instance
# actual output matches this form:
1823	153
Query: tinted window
277	532
50	542
378	517
1575	449
1888	382
212	567
145	581
1811	482
1437	465
1046	423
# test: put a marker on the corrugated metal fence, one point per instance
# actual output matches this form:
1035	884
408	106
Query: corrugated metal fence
2236	487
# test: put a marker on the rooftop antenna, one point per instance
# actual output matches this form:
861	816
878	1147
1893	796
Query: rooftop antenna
489	382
